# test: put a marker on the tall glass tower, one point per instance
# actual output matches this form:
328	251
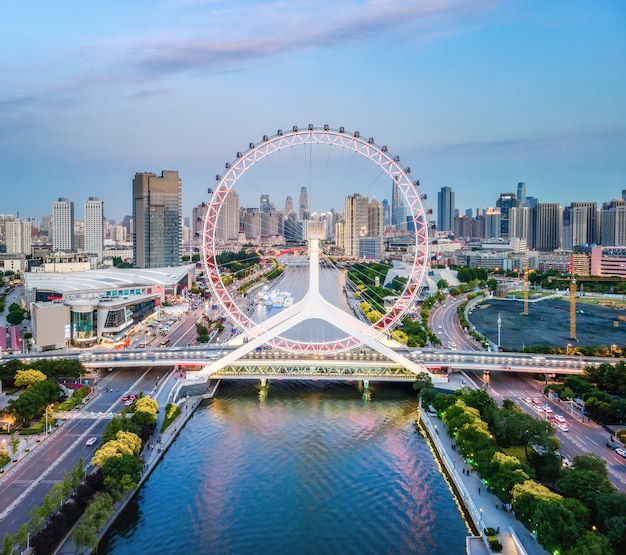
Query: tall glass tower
157	215
445	209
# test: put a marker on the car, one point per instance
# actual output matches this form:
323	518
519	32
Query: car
125	397
91	441
611	444
621	452
128	403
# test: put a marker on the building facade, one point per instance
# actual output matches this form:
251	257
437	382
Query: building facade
157	215
63	225
445	209
94	233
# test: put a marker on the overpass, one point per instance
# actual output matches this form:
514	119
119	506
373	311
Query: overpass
362	364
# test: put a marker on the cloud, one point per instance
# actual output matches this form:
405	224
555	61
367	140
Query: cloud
563	140
241	36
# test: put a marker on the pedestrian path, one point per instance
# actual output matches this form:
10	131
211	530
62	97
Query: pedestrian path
484	508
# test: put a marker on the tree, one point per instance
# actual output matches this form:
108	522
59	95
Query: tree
586	479
591	543
122	473
556	526
442	284
28	378
422	381
14	443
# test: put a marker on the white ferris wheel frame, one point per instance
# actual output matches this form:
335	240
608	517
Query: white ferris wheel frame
333	137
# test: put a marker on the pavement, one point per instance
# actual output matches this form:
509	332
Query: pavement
484	508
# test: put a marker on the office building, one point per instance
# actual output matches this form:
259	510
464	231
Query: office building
493	219
227	227
505	203
548	224
288	206
93	229
63	225
613	223
521	193
357	214
581	225
445	209
18	237
264	203
608	261
157	217
398	209
303	211
198	215
520	223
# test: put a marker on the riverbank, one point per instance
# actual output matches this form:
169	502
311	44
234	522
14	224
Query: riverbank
484	509
154	450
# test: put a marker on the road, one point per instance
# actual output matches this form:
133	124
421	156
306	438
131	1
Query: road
582	437
24	486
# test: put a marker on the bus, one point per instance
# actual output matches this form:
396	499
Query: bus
165	342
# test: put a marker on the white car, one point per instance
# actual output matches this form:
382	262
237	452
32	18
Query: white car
91	441
621	452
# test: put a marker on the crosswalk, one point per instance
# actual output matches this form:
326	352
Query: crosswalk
85	415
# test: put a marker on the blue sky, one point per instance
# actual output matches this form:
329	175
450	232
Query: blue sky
475	95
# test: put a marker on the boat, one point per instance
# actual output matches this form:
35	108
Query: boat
288	301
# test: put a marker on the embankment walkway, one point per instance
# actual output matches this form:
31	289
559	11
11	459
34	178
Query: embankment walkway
484	509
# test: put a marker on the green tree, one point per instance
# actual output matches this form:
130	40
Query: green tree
586	479
122	473
422	381
591	543
556	526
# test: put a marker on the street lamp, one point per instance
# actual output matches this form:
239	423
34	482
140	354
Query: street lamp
612	348
567	349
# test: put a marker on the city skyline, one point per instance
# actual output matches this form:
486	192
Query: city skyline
485	95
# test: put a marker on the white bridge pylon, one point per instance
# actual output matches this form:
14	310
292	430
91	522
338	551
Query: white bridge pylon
314	306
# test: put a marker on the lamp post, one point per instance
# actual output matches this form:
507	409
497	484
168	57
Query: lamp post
567	349
612	348
499	328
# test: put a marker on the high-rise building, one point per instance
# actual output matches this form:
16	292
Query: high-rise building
492	224
303	211
505	203
613	224
94	233
18	236
581	225
398	209
264	203
198	215
228	221
520	223
445	209
521	193
157	217
376	223
548	223
288	206
63	225
357	212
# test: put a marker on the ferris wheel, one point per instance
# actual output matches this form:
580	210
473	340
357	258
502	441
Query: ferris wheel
416	218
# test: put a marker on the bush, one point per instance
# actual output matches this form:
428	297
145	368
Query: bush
494	544
490	532
172	410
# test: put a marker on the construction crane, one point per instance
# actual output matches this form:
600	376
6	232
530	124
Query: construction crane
572	308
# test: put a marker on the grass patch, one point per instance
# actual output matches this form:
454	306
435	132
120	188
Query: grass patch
516	451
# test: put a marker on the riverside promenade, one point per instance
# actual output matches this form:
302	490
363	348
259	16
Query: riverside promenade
484	509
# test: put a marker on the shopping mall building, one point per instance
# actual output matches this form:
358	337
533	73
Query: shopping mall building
85	308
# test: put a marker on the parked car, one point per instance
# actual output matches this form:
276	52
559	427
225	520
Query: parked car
621	452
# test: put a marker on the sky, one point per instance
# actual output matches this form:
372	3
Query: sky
474	95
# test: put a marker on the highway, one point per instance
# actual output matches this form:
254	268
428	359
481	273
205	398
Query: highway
582	435
24	485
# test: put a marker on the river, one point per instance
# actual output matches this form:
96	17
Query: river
299	467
